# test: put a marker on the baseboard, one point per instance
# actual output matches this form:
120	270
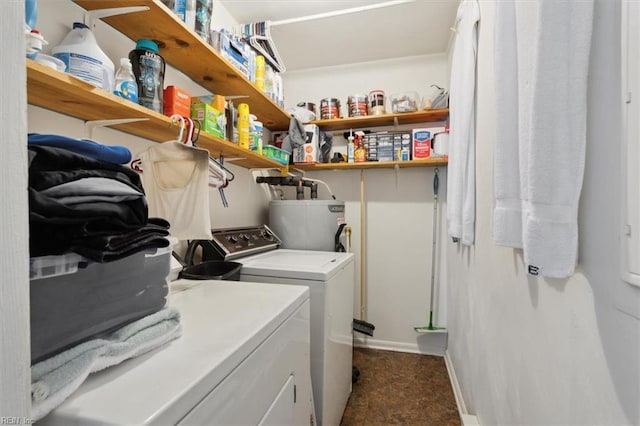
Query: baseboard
433	344
466	418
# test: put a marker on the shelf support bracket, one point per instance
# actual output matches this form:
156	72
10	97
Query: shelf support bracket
90	16
92	124
395	122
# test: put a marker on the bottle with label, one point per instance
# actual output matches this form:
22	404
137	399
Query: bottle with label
360	152
204	10
350	150
148	67
190	15
243	125
84	59
177	6
126	85
260	69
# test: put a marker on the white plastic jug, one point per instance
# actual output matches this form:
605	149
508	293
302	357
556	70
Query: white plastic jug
84	58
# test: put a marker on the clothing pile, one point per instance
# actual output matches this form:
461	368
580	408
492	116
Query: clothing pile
82	200
99	265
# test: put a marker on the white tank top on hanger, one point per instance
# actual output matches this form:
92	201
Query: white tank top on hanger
175	180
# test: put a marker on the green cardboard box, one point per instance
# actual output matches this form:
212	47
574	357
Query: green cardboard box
212	121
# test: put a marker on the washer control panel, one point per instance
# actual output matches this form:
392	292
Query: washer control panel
233	243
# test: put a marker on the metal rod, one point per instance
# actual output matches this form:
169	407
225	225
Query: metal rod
338	12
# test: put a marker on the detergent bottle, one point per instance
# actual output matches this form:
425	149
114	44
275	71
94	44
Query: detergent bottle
148	68
84	58
126	85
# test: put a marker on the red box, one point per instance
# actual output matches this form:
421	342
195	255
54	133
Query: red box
176	101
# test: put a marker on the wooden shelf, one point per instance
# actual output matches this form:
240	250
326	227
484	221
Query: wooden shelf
372	165
186	51
66	94
424	116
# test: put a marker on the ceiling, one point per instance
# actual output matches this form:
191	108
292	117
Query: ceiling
418	27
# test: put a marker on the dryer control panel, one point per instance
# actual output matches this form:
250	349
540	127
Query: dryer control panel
234	243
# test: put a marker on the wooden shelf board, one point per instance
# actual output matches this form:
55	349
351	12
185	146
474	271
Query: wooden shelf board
185	50
66	94
429	162
423	116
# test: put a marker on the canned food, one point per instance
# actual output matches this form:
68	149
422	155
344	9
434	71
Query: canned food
329	108
357	105
376	102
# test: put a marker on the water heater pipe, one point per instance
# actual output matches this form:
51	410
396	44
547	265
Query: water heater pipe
298	182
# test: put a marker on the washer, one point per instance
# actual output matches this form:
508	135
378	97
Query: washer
330	277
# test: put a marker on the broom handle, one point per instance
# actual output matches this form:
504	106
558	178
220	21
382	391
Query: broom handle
436	183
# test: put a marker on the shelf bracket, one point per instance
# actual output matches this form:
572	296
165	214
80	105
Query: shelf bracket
90	16
92	124
395	122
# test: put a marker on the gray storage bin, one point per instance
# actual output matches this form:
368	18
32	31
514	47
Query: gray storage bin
92	300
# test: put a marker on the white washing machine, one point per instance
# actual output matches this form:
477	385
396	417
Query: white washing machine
330	277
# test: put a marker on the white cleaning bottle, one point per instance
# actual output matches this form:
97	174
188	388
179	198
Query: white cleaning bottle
126	84
84	58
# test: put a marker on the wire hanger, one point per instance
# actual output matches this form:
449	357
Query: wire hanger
175	118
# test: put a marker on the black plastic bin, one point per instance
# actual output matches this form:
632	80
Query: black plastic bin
212	270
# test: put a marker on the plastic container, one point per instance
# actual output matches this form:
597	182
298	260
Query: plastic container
260	70
126	85
329	108
190	14
212	270
179	7
84	58
148	68
376	102
277	154
73	300
34	41
258	129
357	105
243	125
204	10
31	13
404	102
50	61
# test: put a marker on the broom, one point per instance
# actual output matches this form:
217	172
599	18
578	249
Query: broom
431	328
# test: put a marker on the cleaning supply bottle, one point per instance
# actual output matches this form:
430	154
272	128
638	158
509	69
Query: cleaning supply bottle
126	85
31	13
243	125
350	149
84	58
148	67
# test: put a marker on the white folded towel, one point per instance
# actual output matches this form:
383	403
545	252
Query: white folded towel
558	135
55	378
541	129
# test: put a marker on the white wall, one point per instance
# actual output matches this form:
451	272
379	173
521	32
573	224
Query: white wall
246	200
398	205
529	350
15	400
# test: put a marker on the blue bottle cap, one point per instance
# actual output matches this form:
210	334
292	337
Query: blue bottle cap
147	44
79	25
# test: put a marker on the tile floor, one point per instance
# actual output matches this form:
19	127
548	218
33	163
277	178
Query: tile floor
396	388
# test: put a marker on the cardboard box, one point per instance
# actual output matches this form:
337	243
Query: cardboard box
176	101
309	152
422	139
211	120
